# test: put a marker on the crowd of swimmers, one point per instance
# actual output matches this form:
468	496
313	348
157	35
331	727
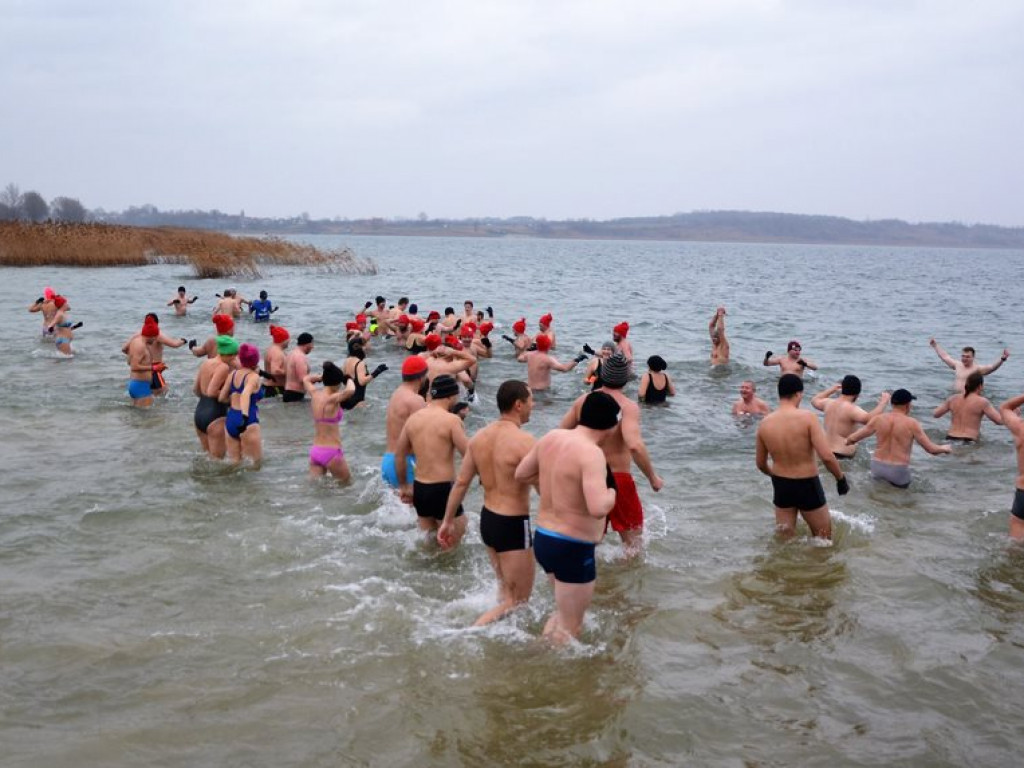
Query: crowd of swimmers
582	470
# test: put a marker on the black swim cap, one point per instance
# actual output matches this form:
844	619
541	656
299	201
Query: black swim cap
444	386
851	385
599	411
263	295
656	363
333	375
304	338
413	309
790	384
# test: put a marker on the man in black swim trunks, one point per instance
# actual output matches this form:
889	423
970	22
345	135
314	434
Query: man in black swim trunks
432	434
494	453
1010	411
790	438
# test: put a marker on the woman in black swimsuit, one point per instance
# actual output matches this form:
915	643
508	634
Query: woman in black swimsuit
655	385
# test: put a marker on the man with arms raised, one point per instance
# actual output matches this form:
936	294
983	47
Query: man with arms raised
181	302
749	403
577	491
1010	412
404	402
793	362
967	409
719	344
788	442
433	434
966	365
897	430
539	364
843	415
493	454
624	445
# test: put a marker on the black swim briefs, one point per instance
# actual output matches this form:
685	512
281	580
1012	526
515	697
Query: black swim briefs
291	396
804	493
505	533
430	499
1018	504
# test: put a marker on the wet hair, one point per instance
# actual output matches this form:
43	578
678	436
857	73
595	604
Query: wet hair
381	300
449	311
973	383
333	375
656	363
790	384
355	348
969	349
851	385
181	289
304	338
413	309
511	392
153	315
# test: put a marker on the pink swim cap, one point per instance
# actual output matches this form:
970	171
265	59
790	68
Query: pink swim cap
248	356
48	293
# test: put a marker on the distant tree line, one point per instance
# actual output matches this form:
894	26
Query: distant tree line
16	205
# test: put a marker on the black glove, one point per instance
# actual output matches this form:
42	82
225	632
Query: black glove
378	370
274	310
183	340
490	311
77	325
609	478
266	374
802	363
767	354
50	329
580	358
486	342
191	343
218	296
457	324
245	423
842	486
367	305
40	300
589	349
193	300
176	302
509	339
532	347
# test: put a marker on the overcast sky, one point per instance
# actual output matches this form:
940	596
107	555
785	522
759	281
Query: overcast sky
356	108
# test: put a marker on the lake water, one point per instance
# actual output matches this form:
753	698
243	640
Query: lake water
157	608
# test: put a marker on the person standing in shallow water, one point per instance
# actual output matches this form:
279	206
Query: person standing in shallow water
789	440
719	343
1010	412
655	384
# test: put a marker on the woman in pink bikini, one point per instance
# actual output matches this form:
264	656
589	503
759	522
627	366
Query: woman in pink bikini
326	455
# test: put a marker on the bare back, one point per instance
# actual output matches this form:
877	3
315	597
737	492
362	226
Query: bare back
792	438
404	402
433	433
566	461
497	450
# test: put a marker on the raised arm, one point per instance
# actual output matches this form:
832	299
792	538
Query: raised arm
883	400
770	360
943	355
987	369
942	409
819	400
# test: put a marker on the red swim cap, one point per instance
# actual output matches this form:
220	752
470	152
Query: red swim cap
543	343
403	319
545	320
414	366
519	326
361	319
469	329
59	301
434	315
418	325
150	329
621	329
451	340
225	325
279	334
432	342
352	326
486	328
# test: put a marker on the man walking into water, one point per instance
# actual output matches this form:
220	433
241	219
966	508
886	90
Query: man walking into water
296	367
1009	410
623	446
843	415
494	453
896	430
968	408
540	363
404	402
577	491
966	365
788	442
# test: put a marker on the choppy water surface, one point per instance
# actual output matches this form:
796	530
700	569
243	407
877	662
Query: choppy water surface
157	608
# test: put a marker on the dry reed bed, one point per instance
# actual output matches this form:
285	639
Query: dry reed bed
211	254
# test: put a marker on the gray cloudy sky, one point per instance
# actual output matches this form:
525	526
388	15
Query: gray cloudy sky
354	108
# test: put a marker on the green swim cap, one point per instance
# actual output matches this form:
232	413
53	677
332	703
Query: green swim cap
227	345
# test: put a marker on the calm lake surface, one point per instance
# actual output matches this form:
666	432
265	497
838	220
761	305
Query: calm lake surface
157	608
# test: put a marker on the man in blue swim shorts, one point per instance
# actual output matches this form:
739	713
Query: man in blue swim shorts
577	491
404	402
140	364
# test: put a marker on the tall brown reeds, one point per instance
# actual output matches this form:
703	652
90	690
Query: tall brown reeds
211	254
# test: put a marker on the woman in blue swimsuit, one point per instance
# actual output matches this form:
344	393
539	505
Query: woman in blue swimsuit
243	420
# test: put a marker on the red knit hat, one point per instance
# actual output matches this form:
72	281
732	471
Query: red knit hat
543	343
545	320
279	334
432	342
621	329
150	329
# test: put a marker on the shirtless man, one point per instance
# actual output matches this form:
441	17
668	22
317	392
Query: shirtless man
433	434
539	364
181	302
966	365
156	351
791	438
210	412
404	402
792	362
46	305
225	326
481	346
379	324
522	342
719	343
544	324
296	366
274	362
468	315
441	360
493	454
843	415
1009	410
622	343
577	491
749	403
897	430
230	304
140	364
625	445
968	409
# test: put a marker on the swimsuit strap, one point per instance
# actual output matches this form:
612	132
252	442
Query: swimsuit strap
336	419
